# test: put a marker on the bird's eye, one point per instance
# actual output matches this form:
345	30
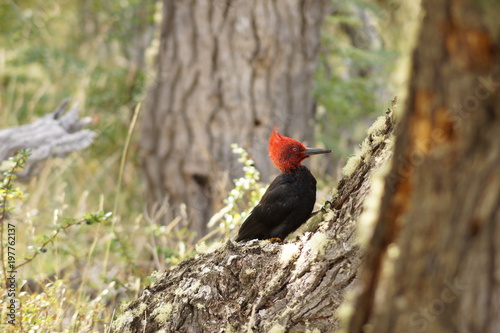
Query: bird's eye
295	149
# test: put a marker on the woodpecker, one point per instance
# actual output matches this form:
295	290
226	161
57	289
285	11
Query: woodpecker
289	200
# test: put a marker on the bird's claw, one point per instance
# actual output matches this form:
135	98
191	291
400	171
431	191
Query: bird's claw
275	240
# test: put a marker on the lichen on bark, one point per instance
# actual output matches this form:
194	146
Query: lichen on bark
261	286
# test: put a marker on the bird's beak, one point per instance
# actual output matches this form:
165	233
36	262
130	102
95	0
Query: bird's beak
316	151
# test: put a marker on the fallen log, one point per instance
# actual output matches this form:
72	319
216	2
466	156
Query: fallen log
56	134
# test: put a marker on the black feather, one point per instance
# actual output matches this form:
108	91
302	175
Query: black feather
286	205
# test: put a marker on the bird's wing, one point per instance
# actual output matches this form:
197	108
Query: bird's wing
276	205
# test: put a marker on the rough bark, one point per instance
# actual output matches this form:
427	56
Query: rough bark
57	134
259	286
433	264
228	71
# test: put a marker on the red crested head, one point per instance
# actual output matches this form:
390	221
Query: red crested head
287	153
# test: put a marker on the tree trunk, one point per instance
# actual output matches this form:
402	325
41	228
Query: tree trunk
228	71
433	263
259	286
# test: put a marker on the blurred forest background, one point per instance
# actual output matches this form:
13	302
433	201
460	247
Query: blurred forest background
102	54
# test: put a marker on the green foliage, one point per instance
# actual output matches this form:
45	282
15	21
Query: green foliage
246	194
9	175
7	192
44	240
91	51
350	80
94	52
45	311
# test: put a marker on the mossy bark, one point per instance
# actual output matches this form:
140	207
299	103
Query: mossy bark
433	263
259	286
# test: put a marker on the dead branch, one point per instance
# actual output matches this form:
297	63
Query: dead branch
54	135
